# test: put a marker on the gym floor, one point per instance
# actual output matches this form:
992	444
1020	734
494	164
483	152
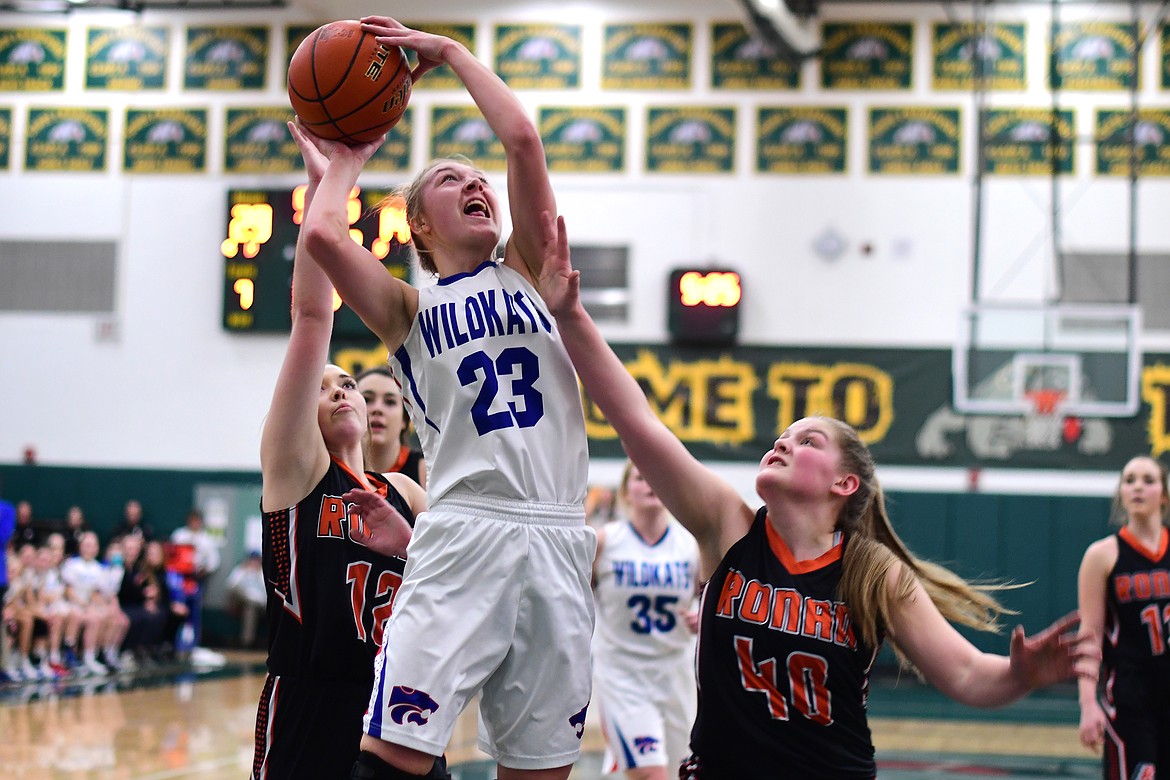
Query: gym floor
177	723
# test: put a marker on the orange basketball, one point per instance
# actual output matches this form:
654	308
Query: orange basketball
345	86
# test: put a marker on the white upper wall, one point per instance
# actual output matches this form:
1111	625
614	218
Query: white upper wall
172	389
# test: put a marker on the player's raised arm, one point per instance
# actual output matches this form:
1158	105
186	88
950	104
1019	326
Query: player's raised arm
292	452
704	502
384	302
529	190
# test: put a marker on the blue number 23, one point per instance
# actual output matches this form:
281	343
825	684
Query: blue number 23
526	406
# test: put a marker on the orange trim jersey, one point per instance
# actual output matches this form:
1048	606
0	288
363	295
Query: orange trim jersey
1134	690
328	600
783	678
328	596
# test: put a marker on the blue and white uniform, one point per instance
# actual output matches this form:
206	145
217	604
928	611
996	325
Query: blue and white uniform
644	653
495	597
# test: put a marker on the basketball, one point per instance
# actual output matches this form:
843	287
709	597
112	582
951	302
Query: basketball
345	86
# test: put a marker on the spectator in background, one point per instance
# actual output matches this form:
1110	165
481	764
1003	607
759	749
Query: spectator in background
71	616
87	587
246	590
26	531
75	526
17	614
47	615
195	555
132	522
165	585
7	527
138	599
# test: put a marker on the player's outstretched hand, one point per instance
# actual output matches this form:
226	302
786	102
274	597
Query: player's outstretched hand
559	285
391	32
382	528
1056	653
315	160
319	152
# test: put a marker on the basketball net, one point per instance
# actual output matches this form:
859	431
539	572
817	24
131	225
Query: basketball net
1044	425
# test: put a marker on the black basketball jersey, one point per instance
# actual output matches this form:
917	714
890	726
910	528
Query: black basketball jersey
411	465
328	596
783	679
1137	608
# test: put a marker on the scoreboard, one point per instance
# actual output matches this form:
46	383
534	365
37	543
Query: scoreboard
262	228
703	306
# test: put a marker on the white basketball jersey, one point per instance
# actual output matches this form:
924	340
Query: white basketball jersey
491	391
84	577
642	590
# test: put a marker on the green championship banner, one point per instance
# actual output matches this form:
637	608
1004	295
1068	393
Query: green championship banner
394	153
1021	141
739	61
463	130
690	139
443	77
539	56
579	139
257	140
1094	56
294	36
732	404
965	54
1164	58
646	56
914	140
5	138
32	59
165	140
801	139
1150	141
71	140
133	59
226	58
867	55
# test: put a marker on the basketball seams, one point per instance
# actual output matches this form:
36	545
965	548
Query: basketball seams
328	113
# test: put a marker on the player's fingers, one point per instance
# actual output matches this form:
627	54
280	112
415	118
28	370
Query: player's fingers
562	237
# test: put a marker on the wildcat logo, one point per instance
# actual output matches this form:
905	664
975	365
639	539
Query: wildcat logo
410	706
646	745
578	722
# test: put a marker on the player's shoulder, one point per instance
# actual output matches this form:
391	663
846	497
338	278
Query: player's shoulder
614	531
1102	553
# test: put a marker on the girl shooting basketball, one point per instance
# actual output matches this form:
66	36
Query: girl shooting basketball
496	597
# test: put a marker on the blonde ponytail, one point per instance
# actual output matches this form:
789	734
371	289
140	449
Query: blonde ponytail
873	548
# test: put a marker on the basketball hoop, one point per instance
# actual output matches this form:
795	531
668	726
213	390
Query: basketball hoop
1046	401
1043	426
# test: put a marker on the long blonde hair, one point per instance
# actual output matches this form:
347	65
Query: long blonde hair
873	547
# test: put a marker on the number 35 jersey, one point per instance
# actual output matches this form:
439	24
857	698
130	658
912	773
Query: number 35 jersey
643	590
491	391
783	677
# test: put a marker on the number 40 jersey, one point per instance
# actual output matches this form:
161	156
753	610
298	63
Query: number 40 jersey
491	391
